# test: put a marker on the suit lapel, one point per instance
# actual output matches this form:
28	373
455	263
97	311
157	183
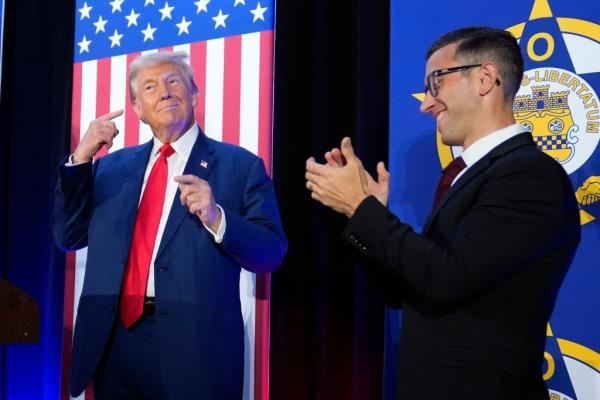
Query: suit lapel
476	169
201	162
134	170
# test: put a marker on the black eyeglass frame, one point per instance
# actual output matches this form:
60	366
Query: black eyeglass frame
432	82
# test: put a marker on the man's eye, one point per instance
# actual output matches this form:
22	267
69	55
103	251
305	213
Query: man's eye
149	88
174	81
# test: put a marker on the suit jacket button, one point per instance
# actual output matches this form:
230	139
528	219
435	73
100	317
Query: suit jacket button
111	308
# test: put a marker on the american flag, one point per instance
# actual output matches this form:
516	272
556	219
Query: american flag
230	43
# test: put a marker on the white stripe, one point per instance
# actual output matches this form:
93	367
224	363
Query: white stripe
248	302
89	76
249	91
182	47
145	131
213	112
80	259
118	82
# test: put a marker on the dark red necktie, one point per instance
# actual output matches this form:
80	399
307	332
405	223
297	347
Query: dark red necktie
448	175
144	237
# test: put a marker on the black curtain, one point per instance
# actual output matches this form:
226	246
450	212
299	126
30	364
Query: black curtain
331	81
35	123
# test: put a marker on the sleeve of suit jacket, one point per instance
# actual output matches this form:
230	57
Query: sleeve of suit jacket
255	239
518	215
72	205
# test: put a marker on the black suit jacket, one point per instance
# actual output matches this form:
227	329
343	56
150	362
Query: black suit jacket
479	284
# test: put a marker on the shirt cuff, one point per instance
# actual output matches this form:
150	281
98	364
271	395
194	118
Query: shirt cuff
70	163
218	235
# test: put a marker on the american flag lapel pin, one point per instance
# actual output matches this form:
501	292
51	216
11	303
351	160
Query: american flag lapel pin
203	164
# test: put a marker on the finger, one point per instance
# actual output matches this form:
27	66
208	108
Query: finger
333	160
337	155
315	167
348	150
110	115
382	174
314	179
187	179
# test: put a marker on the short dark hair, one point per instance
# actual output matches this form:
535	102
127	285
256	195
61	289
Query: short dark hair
478	44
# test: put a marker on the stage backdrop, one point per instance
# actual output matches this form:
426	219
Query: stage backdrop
558	101
231	48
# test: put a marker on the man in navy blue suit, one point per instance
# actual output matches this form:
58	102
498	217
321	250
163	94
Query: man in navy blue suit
168	225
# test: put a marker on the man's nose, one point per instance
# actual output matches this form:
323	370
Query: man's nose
165	93
427	102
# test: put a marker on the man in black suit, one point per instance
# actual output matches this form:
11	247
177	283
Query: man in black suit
478	285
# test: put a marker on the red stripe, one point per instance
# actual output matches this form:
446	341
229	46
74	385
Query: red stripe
132	123
265	98
76	106
67	344
263	282
89	392
261	344
232	77
198	61
103	94
168	49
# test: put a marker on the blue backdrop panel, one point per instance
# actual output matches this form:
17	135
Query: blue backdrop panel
560	40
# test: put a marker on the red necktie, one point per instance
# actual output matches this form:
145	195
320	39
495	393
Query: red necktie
448	175
144	236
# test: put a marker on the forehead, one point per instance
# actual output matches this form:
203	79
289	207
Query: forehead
442	58
156	71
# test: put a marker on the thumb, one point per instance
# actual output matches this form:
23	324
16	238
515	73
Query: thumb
383	176
347	150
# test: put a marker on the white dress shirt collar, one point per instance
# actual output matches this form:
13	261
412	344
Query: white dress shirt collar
481	147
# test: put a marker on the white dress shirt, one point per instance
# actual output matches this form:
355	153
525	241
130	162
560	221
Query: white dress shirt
481	147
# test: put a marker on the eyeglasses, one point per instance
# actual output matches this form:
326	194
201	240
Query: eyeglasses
433	83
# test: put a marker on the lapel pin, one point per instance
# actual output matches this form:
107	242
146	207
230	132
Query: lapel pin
203	164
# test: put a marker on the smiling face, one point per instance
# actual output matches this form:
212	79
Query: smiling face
455	108
164	100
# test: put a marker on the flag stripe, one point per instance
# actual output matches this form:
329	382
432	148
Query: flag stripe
249	90
118	99
102	93
213	112
263	285
231	89
265	100
198	61
132	123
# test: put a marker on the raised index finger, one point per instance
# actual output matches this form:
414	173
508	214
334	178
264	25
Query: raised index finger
110	115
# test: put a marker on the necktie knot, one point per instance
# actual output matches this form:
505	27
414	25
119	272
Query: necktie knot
166	150
448	175
453	169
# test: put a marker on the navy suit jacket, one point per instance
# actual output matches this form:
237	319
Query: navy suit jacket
478	286
199	323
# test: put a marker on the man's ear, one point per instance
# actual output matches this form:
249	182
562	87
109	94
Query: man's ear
138	110
488	77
